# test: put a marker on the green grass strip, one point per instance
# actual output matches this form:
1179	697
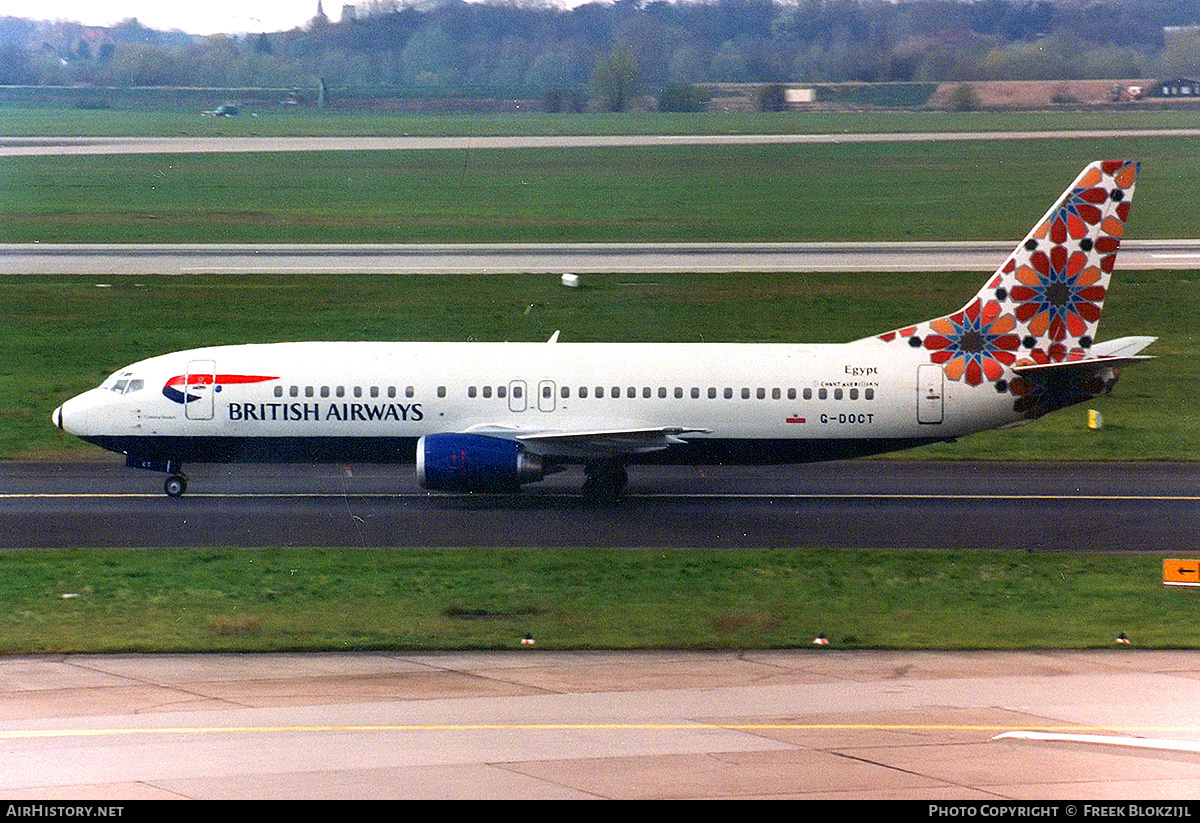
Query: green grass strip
59	122
76	601
64	335
894	191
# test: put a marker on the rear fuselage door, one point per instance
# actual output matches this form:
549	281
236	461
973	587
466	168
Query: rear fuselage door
929	393
200	383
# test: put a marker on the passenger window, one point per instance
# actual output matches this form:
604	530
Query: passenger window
869	394
678	392
517	393
471	391
695	393
583	392
279	391
599	392
502	391
854	394
487	391
712	394
728	393
441	392
808	394
745	394
308	391
823	394
837	394
761	394
409	391
391	391
294	391
374	391
775	394
324	391
565	392
358	391
340	391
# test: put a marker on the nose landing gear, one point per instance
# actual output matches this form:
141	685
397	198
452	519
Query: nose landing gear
175	485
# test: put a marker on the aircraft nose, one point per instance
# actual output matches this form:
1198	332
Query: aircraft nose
74	416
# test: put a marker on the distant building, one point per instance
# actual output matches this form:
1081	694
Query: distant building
799	96
1177	87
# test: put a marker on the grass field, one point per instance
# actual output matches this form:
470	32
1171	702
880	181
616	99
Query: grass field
29	122
902	191
349	599
65	334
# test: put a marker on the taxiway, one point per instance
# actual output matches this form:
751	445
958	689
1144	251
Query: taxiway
875	504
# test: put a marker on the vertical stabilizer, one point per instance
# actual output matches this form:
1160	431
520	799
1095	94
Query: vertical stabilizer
1043	305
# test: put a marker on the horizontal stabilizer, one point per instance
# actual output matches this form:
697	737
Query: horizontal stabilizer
1113	353
1122	346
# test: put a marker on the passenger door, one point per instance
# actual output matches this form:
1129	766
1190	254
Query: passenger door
200	383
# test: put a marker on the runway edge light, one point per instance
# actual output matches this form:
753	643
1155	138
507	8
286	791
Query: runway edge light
1181	573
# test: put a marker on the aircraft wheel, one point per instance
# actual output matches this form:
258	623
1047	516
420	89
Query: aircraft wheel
175	485
605	484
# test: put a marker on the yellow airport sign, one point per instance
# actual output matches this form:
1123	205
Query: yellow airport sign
1181	573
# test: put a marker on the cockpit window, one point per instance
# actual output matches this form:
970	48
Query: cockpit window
123	383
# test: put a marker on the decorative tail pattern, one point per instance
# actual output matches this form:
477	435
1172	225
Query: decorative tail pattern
1043	305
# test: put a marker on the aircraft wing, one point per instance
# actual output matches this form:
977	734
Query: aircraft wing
593	443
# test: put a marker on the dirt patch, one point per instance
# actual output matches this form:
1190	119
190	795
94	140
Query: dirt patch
1003	94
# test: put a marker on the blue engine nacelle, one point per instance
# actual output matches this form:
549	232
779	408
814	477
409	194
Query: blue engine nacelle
474	462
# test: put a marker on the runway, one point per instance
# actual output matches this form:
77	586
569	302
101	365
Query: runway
866	504
803	724
580	258
63	146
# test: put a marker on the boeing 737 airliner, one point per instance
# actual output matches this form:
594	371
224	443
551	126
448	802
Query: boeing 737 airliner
495	416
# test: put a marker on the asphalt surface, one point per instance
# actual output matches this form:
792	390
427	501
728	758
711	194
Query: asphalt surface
58	146
120	260
874	504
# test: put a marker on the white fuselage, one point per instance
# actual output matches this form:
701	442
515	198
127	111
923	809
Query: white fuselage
371	401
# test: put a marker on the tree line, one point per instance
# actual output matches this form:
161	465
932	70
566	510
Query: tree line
452	46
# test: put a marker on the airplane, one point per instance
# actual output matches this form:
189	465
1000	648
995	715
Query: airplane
493	417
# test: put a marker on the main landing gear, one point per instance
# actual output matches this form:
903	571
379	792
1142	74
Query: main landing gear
605	482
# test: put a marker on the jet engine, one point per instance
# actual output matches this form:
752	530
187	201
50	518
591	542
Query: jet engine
475	462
